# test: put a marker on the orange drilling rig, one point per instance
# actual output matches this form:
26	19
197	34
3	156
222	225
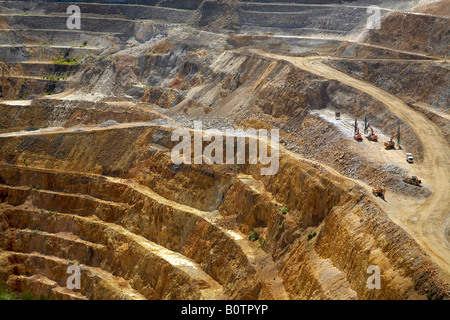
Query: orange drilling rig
358	135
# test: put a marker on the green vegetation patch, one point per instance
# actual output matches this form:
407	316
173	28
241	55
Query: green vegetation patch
253	236
311	235
67	61
5	294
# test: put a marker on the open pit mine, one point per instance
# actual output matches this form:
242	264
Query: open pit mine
136	139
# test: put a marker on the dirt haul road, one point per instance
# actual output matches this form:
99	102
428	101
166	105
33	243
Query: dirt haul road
428	222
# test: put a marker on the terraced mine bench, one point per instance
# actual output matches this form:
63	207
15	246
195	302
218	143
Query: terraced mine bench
37	33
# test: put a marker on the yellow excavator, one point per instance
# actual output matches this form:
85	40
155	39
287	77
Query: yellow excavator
391	144
413	180
380	192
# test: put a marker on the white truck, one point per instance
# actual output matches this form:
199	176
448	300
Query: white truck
409	158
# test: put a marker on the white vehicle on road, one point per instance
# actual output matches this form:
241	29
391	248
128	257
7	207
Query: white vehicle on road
409	158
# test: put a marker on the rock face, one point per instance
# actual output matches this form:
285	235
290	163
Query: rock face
420	33
87	122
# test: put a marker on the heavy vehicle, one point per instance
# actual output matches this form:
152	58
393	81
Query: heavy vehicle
372	136
358	135
338	115
379	192
391	144
409	158
413	180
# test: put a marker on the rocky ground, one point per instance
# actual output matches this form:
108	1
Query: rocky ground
86	176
